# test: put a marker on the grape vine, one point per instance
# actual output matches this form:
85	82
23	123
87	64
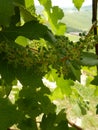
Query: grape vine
43	54
31	51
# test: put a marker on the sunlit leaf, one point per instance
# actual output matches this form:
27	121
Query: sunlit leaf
78	3
46	3
54	14
22	41
56	94
65	86
52	75
29	3
77	110
96	91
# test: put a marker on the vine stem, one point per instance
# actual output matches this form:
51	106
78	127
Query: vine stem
94	15
91	28
74	125
94	19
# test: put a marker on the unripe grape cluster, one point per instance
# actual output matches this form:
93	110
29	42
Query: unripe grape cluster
42	54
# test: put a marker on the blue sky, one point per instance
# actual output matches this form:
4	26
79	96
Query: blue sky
66	3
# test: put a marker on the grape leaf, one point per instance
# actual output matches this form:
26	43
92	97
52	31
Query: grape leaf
52	75
27	124
46	105
54	122
96	91
27	10
8	114
7	72
29	3
30	80
46	3
89	59
26	4
56	94
63	89
48	121
54	14
23	41
95	80
97	109
6	11
65	86
26	16
75	71
8	75
78	3
31	30
57	12
77	110
61	116
19	2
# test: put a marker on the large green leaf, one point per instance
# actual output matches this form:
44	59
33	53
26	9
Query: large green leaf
54	122
89	59
78	3
23	41
63	89
28	124
8	114
97	109
96	91
56	94
46	3
95	81
6	11
26	16
54	14
52	75
31	30
61	116
7	72
27	10
29	3
7	76
75	70
28	77
76	108
65	86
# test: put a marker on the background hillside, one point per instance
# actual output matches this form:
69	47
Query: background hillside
74	19
78	20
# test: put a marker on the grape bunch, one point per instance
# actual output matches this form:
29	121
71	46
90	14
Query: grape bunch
68	52
15	54
42	54
38	54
